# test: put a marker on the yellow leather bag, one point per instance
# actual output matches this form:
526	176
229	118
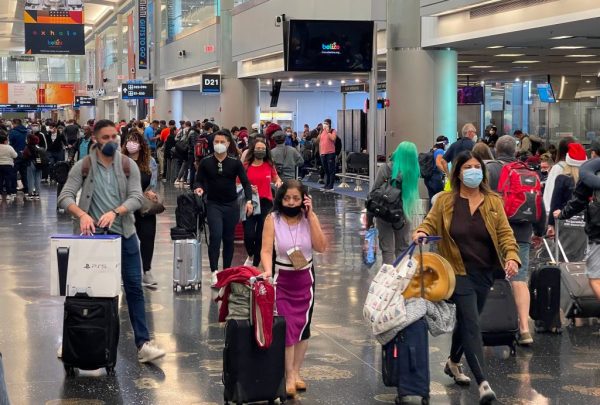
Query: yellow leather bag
433	280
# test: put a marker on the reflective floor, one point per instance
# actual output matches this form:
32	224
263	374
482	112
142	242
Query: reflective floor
343	362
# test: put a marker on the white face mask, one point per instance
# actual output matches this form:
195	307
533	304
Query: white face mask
220	148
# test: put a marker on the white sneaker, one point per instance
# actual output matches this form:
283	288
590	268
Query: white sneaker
149	352
213	279
10	198
148	280
455	371
249	261
59	351
486	395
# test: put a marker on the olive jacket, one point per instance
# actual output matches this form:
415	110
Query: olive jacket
439	220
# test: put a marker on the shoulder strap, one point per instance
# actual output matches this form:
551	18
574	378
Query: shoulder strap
87	164
126	164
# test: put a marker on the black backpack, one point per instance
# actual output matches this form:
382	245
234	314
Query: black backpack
40	157
190	213
338	145
426	164
385	202
182	147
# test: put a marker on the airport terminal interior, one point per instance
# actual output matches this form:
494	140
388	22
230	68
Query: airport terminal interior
188	84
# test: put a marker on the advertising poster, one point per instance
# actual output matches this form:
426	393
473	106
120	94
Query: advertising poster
130	45
22	93
56	93
54	27
142	34
3	93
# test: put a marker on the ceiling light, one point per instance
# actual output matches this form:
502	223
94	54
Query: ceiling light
291	79
509	55
465	8
466	61
588	81
568	47
517	80
356	80
329	83
343	82
495	47
318	84
483	83
563	37
589	61
579	56
306	85
526	61
480	67
465	74
498	71
268	82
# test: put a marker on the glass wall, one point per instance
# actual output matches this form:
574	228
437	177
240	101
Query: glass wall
179	16
42	69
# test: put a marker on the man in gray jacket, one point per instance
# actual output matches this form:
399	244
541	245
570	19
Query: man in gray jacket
286	158
111	192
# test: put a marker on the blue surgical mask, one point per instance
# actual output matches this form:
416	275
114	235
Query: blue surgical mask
472	178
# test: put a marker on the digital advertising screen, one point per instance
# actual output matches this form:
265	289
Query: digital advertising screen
328	46
546	93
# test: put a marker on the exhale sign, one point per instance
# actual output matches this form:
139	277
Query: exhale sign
142	34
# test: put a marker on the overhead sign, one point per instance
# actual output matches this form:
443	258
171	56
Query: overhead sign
211	83
381	86
54	27
26	107
353	88
84	101
142	34
137	91
22	58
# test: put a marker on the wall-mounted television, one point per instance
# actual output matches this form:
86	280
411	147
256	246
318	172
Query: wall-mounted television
328	46
546	93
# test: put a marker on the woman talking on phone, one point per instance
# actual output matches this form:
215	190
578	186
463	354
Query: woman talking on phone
291	233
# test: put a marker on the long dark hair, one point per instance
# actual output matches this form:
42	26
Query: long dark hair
457	165
287	185
563	148
250	155
143	160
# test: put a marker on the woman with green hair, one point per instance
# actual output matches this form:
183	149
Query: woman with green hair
403	171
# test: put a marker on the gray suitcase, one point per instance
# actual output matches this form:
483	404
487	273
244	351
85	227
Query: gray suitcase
187	264
577	299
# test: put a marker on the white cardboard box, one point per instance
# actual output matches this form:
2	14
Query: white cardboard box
88	264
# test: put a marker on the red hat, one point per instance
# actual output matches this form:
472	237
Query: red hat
576	155
271	129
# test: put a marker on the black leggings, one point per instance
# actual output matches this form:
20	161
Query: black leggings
222	219
469	296
145	228
253	230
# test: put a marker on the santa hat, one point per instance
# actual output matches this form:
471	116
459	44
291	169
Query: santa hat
576	155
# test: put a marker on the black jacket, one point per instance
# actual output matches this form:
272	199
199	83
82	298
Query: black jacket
59	143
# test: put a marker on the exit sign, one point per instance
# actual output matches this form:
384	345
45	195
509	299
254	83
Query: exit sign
209	48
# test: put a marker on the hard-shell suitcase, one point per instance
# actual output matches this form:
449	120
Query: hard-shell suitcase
577	298
252	374
405	362
187	264
544	292
90	334
499	321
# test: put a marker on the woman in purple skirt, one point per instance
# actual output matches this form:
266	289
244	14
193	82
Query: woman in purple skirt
291	233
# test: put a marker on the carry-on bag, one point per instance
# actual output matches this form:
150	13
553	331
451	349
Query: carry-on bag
577	299
90	334
544	292
499	321
187	264
250	373
405	362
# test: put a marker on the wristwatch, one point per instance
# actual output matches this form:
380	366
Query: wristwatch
116	212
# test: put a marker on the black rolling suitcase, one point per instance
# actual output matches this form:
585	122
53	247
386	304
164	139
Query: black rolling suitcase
544	291
90	334
499	321
405	362
252	374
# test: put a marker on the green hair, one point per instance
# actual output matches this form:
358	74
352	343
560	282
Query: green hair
405	162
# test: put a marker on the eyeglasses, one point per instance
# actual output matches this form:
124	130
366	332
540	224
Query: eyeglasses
220	168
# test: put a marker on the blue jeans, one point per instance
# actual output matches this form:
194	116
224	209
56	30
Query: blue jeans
131	272
328	162
34	179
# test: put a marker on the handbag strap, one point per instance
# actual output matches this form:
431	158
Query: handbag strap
411	248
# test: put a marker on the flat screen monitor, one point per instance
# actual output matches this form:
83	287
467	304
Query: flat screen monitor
328	46
546	93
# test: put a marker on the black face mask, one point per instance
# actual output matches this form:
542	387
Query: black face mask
109	149
291	211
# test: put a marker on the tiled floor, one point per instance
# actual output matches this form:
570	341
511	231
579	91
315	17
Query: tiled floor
343	362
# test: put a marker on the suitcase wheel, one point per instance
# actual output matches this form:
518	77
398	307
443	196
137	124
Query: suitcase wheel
513	350
110	371
70	371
